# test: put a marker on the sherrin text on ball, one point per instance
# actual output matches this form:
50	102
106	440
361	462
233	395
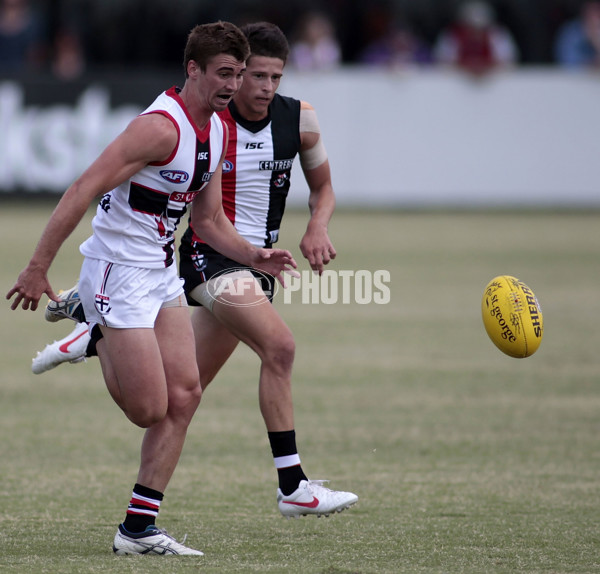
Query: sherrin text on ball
512	316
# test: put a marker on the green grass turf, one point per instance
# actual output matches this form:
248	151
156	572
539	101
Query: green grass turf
464	460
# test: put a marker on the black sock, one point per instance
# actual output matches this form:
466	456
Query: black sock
95	336
143	508
90	350
287	460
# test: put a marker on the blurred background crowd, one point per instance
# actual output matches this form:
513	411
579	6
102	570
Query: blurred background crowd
69	37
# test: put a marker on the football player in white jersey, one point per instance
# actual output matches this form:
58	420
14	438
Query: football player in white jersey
129	288
266	132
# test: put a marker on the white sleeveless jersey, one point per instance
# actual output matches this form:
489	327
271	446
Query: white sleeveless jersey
135	222
257	170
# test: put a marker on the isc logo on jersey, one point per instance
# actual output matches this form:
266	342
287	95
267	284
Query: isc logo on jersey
174	176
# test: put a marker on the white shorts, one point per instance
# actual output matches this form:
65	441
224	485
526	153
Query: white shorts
125	297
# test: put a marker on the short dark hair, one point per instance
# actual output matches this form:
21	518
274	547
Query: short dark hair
266	39
208	40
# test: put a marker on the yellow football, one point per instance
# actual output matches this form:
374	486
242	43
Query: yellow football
512	316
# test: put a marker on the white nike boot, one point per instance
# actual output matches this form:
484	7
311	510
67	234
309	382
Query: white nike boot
311	497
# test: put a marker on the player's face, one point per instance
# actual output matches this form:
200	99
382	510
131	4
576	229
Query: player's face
261	81
221	81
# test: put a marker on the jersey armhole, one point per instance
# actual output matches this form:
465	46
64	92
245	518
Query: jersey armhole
174	152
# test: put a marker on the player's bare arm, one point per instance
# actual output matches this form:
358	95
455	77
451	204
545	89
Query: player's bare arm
316	245
210	222
146	139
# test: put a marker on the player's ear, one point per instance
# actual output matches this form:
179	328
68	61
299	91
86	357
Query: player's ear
193	69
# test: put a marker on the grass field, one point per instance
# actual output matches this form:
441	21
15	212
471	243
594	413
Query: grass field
464	460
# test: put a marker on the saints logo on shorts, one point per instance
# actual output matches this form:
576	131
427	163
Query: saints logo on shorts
102	303
200	261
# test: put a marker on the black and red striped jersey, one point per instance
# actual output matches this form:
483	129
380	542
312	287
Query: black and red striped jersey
257	169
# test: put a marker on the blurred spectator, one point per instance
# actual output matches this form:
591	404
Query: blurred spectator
475	42
393	44
21	36
578	41
315	45
68	61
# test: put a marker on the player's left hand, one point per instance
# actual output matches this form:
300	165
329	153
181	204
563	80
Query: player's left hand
317	248
275	262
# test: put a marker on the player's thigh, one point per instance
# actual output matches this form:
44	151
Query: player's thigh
214	344
250	316
135	361
175	339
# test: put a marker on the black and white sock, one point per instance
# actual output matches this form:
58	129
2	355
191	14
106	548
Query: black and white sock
287	460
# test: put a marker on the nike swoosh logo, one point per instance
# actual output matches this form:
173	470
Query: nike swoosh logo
64	348
312	504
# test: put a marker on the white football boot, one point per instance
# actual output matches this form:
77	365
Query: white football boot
72	349
311	497
152	541
69	307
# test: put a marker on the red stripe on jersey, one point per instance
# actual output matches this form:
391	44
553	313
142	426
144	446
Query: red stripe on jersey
229	169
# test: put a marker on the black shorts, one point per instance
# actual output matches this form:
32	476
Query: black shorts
198	263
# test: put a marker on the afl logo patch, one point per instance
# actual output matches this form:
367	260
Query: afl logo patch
227	166
174	176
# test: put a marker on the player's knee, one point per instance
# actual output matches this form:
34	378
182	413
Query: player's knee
145	416
184	400
281	351
194	395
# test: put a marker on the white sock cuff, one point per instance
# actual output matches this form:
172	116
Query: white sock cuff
287	461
